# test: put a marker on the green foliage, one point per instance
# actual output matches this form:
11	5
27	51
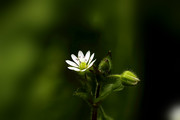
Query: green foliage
99	84
110	85
82	93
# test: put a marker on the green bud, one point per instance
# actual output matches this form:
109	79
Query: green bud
129	78
105	65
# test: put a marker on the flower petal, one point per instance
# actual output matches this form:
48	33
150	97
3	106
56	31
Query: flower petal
91	58
80	54
73	68
75	59
83	70
71	63
87	56
91	63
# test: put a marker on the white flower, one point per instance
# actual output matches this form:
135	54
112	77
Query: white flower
81	63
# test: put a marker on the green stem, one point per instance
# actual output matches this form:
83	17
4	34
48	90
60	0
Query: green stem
98	89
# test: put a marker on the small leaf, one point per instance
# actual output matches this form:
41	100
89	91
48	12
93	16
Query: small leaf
110	85
103	115
82	93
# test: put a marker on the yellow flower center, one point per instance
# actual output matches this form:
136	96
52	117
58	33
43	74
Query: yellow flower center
83	65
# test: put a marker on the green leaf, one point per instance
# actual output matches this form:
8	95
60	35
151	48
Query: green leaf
82	93
103	115
110	85
88	82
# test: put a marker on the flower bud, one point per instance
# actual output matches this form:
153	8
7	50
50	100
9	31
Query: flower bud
129	78
105	65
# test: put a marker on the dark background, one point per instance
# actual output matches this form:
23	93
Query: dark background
161	32
37	36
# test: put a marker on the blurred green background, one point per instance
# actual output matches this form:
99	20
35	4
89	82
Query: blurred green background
37	36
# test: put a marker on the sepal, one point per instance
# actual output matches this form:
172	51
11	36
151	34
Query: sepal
128	78
105	65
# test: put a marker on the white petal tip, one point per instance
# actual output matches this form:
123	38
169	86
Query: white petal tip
91	63
71	63
73	68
